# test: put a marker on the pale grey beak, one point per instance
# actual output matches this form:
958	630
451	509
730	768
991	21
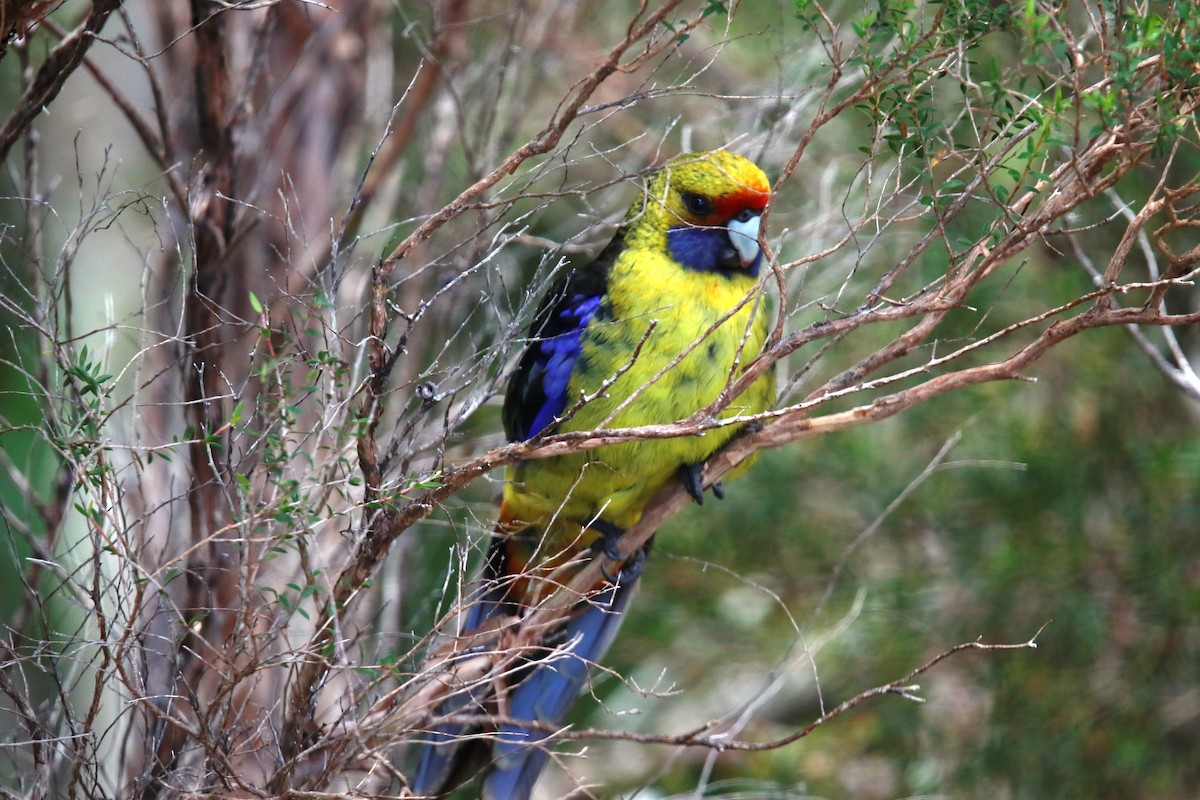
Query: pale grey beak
744	238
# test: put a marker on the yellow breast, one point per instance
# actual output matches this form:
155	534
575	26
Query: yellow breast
684	363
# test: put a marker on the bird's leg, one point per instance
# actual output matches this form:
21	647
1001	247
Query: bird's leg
689	474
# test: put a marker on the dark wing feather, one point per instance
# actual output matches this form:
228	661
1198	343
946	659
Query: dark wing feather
537	391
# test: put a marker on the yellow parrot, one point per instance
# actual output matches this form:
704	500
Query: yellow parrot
650	332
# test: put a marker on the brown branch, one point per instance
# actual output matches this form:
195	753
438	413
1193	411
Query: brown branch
53	73
705	737
416	100
17	17
545	141
212	591
39	736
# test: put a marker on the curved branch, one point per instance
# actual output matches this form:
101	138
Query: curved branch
53	73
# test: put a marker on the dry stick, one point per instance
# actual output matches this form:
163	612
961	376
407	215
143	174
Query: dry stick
212	226
1076	174
39	736
1092	160
1177	369
700	737
1077	179
540	144
58	66
826	113
17	18
420	93
901	686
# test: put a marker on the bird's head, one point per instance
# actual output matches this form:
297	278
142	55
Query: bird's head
707	206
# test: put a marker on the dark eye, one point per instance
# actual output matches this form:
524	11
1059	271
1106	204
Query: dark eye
697	204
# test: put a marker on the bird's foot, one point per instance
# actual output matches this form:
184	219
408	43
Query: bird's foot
632	569
689	474
609	544
629	567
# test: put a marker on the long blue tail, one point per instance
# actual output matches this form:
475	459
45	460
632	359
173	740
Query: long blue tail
544	694
547	693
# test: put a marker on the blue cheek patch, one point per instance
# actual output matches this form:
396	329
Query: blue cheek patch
705	249
556	360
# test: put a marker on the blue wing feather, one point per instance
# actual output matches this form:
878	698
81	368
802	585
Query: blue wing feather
537	395
537	391
549	370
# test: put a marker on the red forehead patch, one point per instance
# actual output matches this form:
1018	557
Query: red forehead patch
730	205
